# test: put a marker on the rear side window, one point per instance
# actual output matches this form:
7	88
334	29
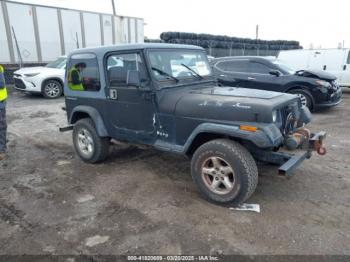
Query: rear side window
232	66
118	66
83	73
258	68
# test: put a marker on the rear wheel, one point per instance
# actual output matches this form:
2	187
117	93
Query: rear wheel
224	172
89	146
305	97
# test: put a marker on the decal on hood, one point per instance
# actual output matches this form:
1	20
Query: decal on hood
239	105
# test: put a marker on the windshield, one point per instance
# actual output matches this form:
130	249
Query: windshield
59	63
179	64
284	67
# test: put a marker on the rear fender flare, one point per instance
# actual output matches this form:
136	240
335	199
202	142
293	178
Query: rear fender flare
94	115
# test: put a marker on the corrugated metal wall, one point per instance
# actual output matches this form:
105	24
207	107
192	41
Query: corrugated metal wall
44	33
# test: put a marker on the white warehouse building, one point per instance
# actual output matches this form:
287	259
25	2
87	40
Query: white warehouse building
39	34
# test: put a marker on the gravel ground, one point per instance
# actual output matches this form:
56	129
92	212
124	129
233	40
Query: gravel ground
143	201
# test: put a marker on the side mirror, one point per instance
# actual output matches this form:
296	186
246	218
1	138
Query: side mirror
133	78
275	73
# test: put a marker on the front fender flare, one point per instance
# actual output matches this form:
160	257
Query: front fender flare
94	115
267	135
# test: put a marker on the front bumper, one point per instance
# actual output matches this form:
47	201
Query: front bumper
333	100
25	85
287	161
315	143
328	104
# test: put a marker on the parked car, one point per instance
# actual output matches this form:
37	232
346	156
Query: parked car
165	96
315	88
334	61
47	80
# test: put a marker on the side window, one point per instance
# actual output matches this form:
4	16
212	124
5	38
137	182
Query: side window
258	68
233	66
348	60
83	73
118	66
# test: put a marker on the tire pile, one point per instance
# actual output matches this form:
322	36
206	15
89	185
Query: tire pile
226	42
218	45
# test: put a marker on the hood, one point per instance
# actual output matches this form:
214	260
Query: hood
316	74
38	69
224	103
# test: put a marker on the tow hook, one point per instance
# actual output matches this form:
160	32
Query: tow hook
316	143
303	139
320	149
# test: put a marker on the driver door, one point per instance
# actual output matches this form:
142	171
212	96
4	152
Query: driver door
131	109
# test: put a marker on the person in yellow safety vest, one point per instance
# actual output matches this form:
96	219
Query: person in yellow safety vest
74	79
3	125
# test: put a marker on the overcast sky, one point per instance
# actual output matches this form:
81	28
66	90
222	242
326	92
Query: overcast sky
323	23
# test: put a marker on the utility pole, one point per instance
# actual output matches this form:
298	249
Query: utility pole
113	6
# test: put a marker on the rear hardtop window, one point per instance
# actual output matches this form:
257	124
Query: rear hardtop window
83	73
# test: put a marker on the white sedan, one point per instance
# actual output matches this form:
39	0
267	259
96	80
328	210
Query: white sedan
47	80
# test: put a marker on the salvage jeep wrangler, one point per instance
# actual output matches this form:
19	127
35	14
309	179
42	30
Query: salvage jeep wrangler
165	96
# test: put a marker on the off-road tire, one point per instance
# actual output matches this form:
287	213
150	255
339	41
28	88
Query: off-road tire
51	85
306	94
100	144
241	161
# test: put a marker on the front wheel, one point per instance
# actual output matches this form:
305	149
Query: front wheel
52	89
89	146
224	172
305	97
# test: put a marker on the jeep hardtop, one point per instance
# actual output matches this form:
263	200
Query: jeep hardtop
166	96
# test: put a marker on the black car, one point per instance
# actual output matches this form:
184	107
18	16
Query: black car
165	96
315	88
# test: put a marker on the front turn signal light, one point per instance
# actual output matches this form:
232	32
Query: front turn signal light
248	128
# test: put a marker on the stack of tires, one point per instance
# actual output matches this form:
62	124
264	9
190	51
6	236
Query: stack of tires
219	41
220	45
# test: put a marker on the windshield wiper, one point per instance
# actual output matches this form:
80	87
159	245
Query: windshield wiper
165	74
193	72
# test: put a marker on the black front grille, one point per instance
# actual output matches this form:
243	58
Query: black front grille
289	117
284	114
19	84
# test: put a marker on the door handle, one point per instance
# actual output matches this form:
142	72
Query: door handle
344	67
113	94
324	67
251	78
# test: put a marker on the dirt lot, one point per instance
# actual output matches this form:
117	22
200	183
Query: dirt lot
143	201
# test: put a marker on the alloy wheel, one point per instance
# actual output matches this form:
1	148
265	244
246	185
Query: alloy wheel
218	175
85	142
303	99
52	90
